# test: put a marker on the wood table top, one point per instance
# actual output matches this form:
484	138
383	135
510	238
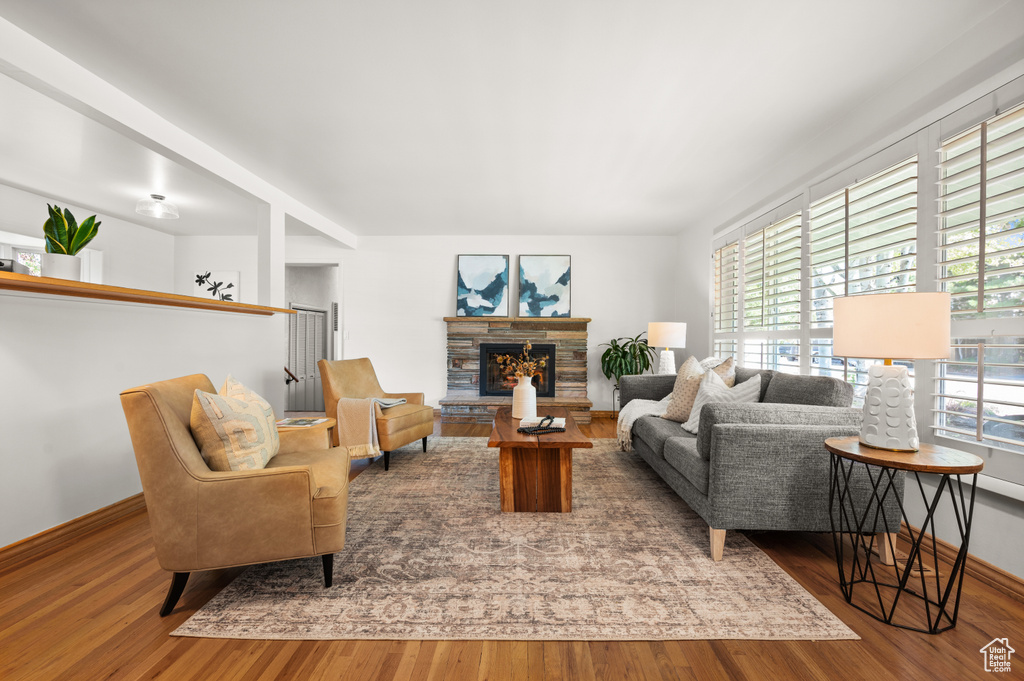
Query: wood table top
504	433
929	459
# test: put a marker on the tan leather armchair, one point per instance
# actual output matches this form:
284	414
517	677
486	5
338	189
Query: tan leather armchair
396	426
296	507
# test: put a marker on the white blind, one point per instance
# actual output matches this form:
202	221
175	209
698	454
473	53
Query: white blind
980	392
771	276
981	206
727	282
863	239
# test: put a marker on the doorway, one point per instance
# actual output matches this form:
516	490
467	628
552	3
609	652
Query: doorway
307	345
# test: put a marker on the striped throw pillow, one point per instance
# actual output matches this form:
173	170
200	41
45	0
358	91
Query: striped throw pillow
714	390
688	381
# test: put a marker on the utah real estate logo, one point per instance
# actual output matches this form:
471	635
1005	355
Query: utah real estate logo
997	654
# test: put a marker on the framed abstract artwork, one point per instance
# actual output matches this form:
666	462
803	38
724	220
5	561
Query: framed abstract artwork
544	285
482	289
216	285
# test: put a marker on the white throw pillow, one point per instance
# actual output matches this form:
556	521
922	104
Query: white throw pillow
713	389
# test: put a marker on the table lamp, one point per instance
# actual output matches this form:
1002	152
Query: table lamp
666	335
887	326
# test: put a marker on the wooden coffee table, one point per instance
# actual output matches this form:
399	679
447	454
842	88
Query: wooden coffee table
536	470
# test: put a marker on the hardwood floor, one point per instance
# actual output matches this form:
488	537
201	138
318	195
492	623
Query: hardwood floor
87	609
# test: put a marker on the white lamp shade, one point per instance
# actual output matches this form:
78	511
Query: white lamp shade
666	334
892	326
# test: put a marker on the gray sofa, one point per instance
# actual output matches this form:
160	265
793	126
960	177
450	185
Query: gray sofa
757	466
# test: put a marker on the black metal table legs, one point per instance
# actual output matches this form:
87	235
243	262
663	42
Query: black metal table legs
913	589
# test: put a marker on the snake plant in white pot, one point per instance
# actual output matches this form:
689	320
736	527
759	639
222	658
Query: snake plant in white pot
64	239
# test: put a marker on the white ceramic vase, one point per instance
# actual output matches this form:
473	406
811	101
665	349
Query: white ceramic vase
60	266
524	399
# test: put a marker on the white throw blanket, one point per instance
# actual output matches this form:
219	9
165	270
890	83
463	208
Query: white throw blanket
634	410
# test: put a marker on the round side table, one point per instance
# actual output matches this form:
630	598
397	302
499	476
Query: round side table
905	592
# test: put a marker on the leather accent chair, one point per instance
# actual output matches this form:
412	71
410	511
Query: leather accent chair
396	426
201	519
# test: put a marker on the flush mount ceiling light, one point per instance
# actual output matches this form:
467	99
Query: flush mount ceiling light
156	207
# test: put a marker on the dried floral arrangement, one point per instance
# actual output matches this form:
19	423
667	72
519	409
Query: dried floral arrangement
523	365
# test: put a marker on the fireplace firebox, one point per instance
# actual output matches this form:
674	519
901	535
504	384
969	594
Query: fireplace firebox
492	382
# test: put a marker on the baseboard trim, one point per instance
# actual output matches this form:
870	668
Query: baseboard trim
985	572
594	413
55	536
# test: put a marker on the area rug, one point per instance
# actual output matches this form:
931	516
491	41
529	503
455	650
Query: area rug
429	555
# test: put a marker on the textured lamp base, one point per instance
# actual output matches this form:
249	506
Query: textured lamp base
889	421
667	362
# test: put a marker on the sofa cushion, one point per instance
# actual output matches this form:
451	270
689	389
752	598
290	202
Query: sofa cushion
654	431
745	374
775	414
714	390
232	434
681	453
823	391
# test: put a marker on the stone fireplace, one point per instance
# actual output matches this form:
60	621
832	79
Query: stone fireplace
468	337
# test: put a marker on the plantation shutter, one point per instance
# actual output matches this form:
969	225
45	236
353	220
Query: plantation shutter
863	239
771	275
982	183
727	279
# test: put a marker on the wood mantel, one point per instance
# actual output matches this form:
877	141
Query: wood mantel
25	283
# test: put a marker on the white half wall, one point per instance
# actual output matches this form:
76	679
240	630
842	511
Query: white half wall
65	449
397	290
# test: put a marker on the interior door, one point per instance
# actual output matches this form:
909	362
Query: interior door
307	344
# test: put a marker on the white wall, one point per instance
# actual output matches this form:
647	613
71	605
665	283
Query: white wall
692	289
217	253
133	255
64	445
397	290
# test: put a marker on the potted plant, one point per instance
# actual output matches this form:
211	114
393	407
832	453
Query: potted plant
64	239
626	357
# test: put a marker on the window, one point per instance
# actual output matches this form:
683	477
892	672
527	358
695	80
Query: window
982	192
31	259
980	391
863	239
726	305
986	377
757	296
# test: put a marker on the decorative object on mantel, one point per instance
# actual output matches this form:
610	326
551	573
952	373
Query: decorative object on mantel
888	326
216	285
666	335
629	357
64	239
482	289
157	206
523	367
544	285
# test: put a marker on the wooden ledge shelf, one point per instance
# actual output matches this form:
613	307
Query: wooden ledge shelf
63	287
575	320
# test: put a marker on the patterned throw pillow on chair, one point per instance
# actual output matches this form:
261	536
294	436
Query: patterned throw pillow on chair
688	382
235	430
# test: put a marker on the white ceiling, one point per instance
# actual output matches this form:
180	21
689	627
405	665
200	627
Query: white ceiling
537	116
